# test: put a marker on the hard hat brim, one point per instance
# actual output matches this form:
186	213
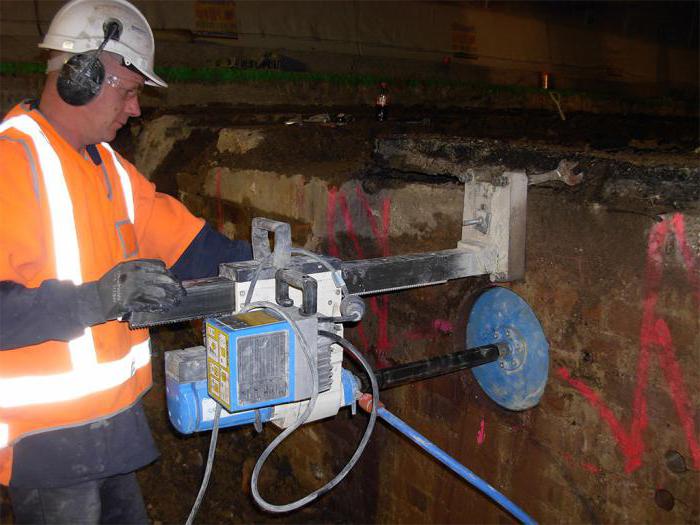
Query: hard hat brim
152	79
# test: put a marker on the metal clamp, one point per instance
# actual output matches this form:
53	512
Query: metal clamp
284	278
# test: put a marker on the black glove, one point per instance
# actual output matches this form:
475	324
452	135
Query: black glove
142	285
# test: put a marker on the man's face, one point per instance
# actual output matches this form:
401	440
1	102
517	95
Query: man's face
115	103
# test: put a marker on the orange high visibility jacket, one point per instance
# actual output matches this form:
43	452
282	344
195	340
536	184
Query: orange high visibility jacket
64	217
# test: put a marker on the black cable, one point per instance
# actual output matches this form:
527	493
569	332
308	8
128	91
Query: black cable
36	18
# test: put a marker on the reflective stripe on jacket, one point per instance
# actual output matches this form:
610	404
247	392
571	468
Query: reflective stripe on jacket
65	217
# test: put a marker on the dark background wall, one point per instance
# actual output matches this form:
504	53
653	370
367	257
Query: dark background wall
628	49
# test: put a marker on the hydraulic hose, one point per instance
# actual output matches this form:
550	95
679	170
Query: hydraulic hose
454	465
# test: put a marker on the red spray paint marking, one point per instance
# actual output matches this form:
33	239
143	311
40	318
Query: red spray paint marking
481	435
382	236
379	306
330	222
438	326
687	253
588	467
350	228
626	443
443	326
219	207
338	200
654	335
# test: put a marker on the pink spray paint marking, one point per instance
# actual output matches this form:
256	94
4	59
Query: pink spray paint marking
437	327
330	222
443	326
655	336
337	200
481	434
350	228
588	467
379	306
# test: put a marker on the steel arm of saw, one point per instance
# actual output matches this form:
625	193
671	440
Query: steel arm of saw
492	243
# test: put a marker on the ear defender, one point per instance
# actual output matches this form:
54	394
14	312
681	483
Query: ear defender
82	76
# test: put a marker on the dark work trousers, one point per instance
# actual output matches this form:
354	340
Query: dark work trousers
115	500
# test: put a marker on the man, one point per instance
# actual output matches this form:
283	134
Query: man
84	240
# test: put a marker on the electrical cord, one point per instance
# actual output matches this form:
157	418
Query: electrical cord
341	319
337	277
263	264
217	414
300	420
265	505
351	462
207	470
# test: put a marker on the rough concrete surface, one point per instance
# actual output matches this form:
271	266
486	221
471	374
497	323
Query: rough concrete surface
612	274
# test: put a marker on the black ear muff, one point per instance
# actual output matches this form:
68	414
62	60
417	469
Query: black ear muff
81	77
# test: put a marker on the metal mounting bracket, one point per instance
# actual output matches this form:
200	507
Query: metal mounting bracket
494	215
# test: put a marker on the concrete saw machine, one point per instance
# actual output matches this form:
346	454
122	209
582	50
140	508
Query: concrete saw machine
273	344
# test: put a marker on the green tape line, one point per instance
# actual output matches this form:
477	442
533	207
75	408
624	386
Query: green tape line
21	68
220	74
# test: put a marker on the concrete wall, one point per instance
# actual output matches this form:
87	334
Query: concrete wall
615	286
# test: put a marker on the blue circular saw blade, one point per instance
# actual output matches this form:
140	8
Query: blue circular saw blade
515	381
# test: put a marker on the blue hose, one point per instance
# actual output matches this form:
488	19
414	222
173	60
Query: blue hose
454	465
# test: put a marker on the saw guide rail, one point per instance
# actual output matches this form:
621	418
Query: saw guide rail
273	347
497	251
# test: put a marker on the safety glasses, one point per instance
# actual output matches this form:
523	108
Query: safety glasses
128	93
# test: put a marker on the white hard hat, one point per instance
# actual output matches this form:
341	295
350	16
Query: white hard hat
78	27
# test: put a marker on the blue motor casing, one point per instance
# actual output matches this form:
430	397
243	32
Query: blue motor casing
189	406
192	410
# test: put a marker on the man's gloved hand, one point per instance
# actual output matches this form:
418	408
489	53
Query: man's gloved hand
142	285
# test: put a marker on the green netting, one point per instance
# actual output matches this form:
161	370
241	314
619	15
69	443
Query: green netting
218	74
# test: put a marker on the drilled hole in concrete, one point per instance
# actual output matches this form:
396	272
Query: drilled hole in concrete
664	499
675	462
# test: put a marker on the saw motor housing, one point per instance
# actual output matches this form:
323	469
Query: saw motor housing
253	363
254	360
